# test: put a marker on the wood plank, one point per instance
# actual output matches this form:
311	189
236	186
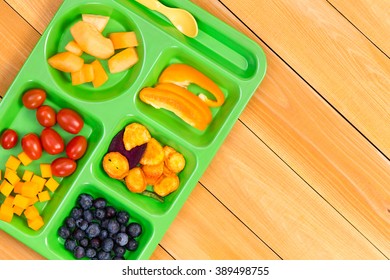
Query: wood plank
331	55
318	144
206	230
371	17
11	249
14	49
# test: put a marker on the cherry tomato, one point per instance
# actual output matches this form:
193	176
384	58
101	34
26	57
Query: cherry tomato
31	145
76	147
70	121
63	167
51	141
9	139
46	116
34	98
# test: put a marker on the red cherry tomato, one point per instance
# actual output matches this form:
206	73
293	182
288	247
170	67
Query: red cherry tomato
34	98
70	121
76	147
51	141
9	139
63	167
31	145
46	116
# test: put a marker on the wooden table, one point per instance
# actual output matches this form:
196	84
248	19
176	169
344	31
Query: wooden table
305	172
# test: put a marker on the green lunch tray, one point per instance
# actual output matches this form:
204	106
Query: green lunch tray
236	63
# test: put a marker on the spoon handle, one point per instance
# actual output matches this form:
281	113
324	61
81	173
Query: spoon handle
154	5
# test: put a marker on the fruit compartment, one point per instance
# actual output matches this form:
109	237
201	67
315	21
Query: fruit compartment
15	116
150	205
58	35
55	244
198	138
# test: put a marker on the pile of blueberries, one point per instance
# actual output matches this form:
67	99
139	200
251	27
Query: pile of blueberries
97	231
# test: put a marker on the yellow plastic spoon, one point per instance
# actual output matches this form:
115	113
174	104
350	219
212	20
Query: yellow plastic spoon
180	18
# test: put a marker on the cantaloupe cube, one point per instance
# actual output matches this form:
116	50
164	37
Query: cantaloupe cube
66	62
123	40
12	177
30	189
52	184
45	170
17	210
24	158
31	212
27	175
123	60
44	196
35	223
12	163
100	75
33	200
9	200
84	75
39	181
18	187
74	48
21	201
98	21
6	188
6	213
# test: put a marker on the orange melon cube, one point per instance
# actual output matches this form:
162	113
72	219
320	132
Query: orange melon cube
123	40
39	181
84	75
27	175
35	223
17	210
100	75
6	213
12	163
123	60
30	189
66	62
33	200
12	177
9	200
18	187
44	196
52	184
6	188
45	170
24	158
31	212
98	21
73	47
21	201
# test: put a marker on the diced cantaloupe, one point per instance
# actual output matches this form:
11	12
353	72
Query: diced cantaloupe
21	201
39	181
66	62
33	200
45	170
100	75
9	200
18	210
84	75
52	184
18	187
30	189
31	212
123	40
91	41
6	213
44	196
74	48
35	223
24	158
27	175
12	163
98	21
123	60
12	177
6	188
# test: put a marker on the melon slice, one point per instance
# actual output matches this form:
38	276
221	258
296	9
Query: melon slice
74	48
123	60
84	75
91	40
123	40
100	75
66	62
98	21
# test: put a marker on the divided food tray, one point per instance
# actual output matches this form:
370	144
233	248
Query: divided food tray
233	61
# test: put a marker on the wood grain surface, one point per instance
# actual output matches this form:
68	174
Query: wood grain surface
305	172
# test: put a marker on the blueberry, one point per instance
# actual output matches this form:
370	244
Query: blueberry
79	252
95	243
90	253
104	223
85	201
92	230
122	239
78	234
103	255
70	244
134	230
122	228
119	251
123	217
82	224
103	234
132	245
113	226
100	214
64	232
84	242
76	213
110	212
88	216
99	203
107	245
70	222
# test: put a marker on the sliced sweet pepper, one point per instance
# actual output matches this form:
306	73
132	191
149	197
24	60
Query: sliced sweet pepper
183	75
